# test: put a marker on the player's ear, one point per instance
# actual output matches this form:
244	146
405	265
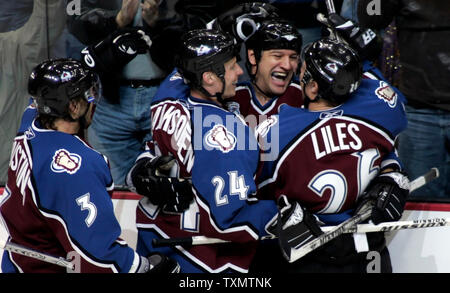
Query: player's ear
75	108
251	56
312	89
252	60
208	78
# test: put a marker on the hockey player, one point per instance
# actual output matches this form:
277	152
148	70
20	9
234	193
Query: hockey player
57	197
274	51
272	62
273	56
344	140
199	132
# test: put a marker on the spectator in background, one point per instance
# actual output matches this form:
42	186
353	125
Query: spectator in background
122	120
423	28
14	14
22	49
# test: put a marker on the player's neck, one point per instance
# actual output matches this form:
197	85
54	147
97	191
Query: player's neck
67	126
201	96
319	106
261	96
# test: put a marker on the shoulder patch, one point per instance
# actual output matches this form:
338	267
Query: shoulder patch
233	107
387	94
29	133
263	128
63	161
176	76
220	138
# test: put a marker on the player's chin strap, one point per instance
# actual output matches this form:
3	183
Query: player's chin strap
261	91
82	120
218	95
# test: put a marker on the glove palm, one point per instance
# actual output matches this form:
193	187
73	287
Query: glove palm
149	177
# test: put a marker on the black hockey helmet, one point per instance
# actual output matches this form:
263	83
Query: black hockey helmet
275	34
53	83
336	68
204	50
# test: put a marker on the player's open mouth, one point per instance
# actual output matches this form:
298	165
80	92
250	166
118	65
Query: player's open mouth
280	78
280	75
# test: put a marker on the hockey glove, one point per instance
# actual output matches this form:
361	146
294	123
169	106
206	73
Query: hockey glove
149	177
386	196
157	263
294	226
365	41
116	50
243	20
108	57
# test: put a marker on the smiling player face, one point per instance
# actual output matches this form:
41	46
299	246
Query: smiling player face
232	73
275	70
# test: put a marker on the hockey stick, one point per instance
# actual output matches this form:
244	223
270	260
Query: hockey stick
330	6
361	228
19	249
353	221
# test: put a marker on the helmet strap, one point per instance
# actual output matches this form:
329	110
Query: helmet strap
218	95
261	91
82	120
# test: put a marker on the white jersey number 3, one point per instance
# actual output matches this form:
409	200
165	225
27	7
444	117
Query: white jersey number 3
85	203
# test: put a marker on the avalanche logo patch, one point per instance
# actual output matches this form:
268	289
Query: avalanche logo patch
387	94
63	161
233	107
65	76
331	67
263	128
220	138
289	37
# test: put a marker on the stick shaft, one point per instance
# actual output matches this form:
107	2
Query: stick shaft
399	225
330	6
327	237
424	179
361	228
19	249
297	253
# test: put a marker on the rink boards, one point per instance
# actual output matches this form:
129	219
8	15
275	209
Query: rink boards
424	250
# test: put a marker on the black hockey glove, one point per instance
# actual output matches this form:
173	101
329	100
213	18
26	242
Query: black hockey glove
294	226
161	264
108	57
116	50
243	20
386	196
149	177
365	41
